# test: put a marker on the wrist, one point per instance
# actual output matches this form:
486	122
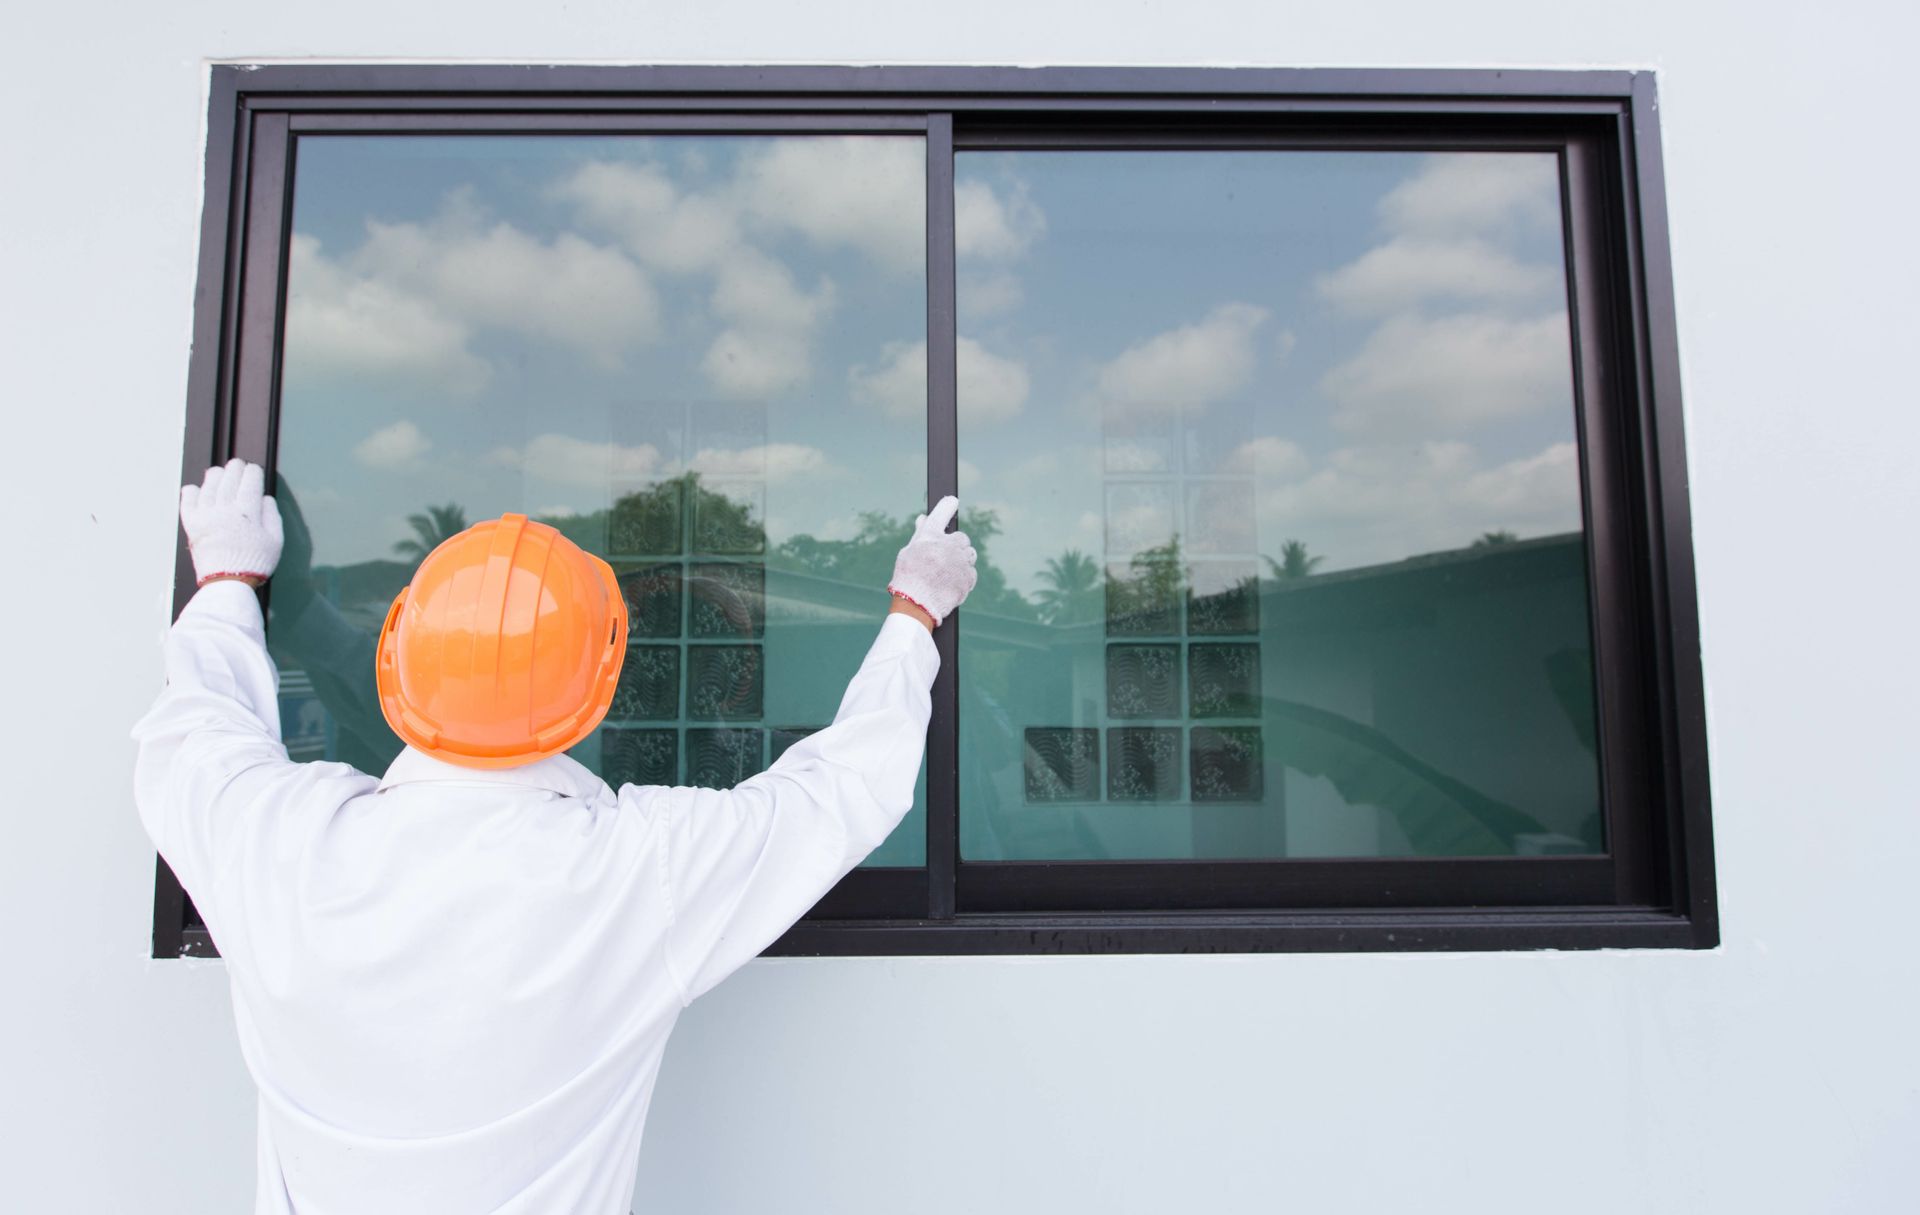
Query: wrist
907	607
256	581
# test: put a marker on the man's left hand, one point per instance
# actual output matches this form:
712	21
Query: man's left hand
232	524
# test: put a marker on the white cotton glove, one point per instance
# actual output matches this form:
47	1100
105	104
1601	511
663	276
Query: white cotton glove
935	571
232	526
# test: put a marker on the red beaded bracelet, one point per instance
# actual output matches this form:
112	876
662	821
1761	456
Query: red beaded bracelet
237	575
914	602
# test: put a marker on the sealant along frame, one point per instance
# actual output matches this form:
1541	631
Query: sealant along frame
1654	887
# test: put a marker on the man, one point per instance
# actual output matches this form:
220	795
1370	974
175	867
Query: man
453	984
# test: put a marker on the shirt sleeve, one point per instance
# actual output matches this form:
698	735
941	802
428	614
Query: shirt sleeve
211	775
743	864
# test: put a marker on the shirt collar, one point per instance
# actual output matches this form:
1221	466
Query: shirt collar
560	774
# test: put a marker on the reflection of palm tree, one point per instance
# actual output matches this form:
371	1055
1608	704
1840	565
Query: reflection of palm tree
1073	579
1489	539
438	524
1294	561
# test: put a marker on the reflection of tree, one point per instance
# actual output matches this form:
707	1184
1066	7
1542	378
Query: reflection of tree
867	558
1489	539
656	521
1150	588
1294	561
437	524
1072	593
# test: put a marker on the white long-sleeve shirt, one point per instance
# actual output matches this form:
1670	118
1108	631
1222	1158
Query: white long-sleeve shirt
453	986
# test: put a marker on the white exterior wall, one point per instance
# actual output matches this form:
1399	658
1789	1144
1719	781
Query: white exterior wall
1776	1073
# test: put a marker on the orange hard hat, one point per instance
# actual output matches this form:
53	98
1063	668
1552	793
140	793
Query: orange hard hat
505	647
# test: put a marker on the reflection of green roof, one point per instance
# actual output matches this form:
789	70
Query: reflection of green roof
812	599
1410	590
1483	556
1330	597
364	590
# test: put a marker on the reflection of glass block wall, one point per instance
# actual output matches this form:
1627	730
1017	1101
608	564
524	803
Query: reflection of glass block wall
690	706
690	559
1183	648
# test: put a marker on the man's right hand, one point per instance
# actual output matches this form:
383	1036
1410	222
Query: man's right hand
232	525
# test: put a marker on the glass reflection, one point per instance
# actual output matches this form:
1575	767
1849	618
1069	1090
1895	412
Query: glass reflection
1274	454
693	356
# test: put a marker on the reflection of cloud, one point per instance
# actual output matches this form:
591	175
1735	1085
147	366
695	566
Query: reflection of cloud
991	388
1423	374
1268	456
1419	375
862	193
343	324
392	446
566	460
1371	504
756	292
898	386
857	191
586	297
406	302
1475	192
989	293
992	225
767	346
773	462
1187	368
643	207
866	193
1408	271
1546	483
1034	470
749	366
912	466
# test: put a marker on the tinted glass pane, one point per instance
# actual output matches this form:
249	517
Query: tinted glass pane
1272	456
694	356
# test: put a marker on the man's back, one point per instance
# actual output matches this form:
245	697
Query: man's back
453	993
454	986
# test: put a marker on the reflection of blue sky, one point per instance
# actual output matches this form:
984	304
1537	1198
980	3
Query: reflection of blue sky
541	324
1371	345
1377	340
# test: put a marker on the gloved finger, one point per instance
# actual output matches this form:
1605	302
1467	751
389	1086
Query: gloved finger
230	476
972	556
270	520
210	485
233	482
942	513
189	500
247	493
253	482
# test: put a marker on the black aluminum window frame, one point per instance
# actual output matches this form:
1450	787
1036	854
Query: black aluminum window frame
1654	887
